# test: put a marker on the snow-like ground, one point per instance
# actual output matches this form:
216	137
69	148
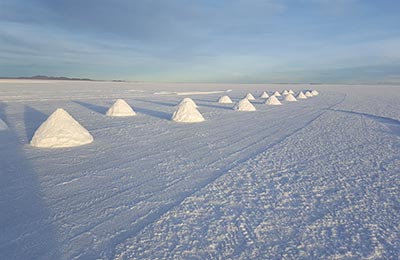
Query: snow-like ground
317	178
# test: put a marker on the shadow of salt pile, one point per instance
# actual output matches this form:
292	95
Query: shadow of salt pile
168	104
212	103
95	108
153	113
213	99
218	106
24	219
33	118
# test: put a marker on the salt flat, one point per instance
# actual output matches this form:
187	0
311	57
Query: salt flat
316	178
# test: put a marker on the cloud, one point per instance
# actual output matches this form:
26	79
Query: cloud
150	19
239	40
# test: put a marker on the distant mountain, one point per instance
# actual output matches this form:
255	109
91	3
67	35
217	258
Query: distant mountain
42	77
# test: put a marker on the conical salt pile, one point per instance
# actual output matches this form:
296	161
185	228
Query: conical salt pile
187	113
301	95
285	92
272	100
120	108
225	100
244	105
264	95
308	94
277	94
249	96
290	98
61	130
3	125
188	100
291	91
314	93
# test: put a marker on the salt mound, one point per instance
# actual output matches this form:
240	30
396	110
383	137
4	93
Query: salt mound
249	96
225	100
272	100
186	112
308	94
277	94
285	92
301	95
189	101
244	105
120	108
291	91
264	95
290	98
314	93
60	130
3	125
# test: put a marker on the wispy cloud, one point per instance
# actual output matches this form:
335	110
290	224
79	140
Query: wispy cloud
179	40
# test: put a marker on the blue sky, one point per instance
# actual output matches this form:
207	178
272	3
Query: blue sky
249	41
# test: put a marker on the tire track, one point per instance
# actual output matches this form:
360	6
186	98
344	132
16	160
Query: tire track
152	218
